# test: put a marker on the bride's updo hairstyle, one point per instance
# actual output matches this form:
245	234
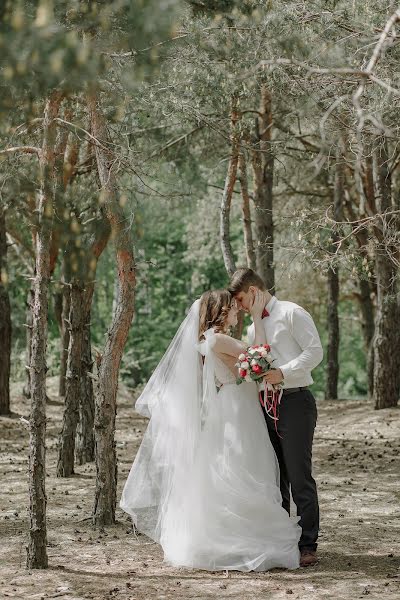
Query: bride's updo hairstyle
214	308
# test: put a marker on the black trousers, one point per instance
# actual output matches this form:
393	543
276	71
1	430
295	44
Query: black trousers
296	424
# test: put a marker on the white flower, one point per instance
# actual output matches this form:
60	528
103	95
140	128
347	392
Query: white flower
251	350
242	357
269	358
264	353
245	365
253	362
248	379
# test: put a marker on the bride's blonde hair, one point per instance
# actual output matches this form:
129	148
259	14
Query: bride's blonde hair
214	308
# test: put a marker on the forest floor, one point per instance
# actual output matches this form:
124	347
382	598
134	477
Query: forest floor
357	468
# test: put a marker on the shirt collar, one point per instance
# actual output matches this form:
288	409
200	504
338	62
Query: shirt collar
271	304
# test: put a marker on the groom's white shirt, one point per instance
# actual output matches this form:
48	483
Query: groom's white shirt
294	341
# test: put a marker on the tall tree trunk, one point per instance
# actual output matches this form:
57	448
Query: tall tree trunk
107	383
263	169
226	201
332	367
37	550
66	452
64	327
332	364
247	228
386	340
84	447
64	338
5	323
29	320
368	329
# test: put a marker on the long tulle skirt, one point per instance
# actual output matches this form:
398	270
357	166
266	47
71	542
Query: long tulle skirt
227	514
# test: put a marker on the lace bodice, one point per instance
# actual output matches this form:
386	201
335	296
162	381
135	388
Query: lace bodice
223	374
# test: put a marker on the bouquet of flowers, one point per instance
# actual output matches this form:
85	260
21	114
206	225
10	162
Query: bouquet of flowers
254	363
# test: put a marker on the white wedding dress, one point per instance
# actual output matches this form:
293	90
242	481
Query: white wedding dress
219	506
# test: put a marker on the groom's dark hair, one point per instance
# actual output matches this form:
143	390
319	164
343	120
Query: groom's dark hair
242	279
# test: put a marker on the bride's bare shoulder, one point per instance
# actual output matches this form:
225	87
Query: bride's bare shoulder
228	345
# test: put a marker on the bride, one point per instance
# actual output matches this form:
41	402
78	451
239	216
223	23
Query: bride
205	481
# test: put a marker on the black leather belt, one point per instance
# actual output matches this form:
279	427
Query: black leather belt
287	391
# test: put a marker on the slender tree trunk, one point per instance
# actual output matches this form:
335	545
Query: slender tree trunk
368	329
64	327
332	367
5	323
67	157
64	339
226	201
66	453
386	340
263	169
247	228
37	550
107	383
84	448
29	321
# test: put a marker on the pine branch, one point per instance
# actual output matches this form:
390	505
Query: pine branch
22	149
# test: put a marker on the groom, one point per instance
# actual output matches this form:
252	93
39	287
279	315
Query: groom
296	348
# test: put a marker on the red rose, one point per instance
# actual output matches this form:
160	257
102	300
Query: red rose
242	372
257	369
267	347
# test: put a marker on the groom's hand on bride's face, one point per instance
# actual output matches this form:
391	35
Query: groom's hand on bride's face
274	376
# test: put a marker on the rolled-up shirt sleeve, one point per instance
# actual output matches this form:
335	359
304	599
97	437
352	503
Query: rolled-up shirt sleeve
302	328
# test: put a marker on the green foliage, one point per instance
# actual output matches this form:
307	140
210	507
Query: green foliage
167	72
69	44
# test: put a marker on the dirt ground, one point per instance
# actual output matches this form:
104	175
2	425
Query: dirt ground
357	469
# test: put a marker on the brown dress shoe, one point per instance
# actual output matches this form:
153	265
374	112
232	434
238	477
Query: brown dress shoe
308	558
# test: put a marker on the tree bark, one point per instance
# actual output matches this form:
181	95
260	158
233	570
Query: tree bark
37	550
368	329
386	340
107	383
332	366
263	170
66	452
84	447
64	330
67	157
247	227
226	201
29	320
5	323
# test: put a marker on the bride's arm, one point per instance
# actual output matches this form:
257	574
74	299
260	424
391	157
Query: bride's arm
230	362
228	350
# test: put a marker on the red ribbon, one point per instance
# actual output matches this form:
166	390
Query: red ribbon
270	403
